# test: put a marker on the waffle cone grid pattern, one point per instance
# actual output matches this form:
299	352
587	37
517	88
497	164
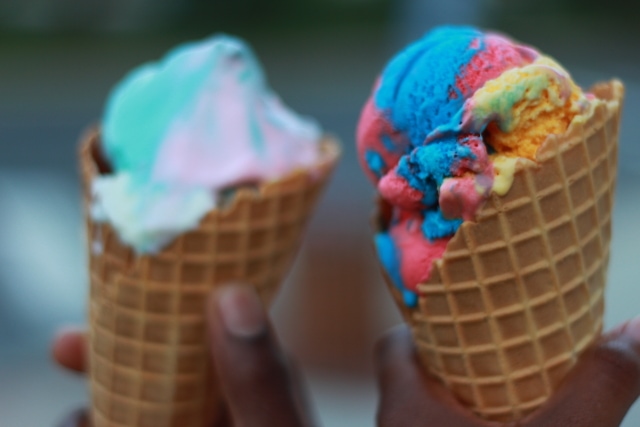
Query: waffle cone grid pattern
149	362
518	294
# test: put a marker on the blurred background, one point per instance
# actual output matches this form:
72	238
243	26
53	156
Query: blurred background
58	60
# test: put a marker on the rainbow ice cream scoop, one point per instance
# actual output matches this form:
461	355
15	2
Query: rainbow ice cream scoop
180	131
448	119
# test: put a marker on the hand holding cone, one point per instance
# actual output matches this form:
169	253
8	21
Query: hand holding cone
518	294
148	358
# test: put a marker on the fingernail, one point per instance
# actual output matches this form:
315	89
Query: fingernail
241	311
633	328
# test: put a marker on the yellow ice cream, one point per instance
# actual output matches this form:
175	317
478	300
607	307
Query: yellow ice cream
525	105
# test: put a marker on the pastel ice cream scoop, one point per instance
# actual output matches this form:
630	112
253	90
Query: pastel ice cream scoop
179	132
447	121
199	177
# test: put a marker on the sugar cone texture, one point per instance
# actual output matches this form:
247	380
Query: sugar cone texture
518	294
148	358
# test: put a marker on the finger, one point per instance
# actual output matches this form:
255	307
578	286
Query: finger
249	363
223	418
602	387
409	397
69	349
75	419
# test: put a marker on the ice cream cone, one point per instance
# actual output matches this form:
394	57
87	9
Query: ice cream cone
148	357
518	294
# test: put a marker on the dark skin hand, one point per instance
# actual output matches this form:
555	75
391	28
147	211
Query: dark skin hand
597	393
260	387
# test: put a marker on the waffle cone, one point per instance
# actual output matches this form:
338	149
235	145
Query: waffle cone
518	294
148	358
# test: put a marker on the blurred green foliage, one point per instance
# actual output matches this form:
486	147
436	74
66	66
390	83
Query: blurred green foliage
597	20
169	16
592	10
287	14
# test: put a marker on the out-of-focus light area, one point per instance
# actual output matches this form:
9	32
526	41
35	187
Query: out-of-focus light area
58	60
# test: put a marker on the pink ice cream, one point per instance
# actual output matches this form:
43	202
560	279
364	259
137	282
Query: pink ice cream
181	131
436	134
